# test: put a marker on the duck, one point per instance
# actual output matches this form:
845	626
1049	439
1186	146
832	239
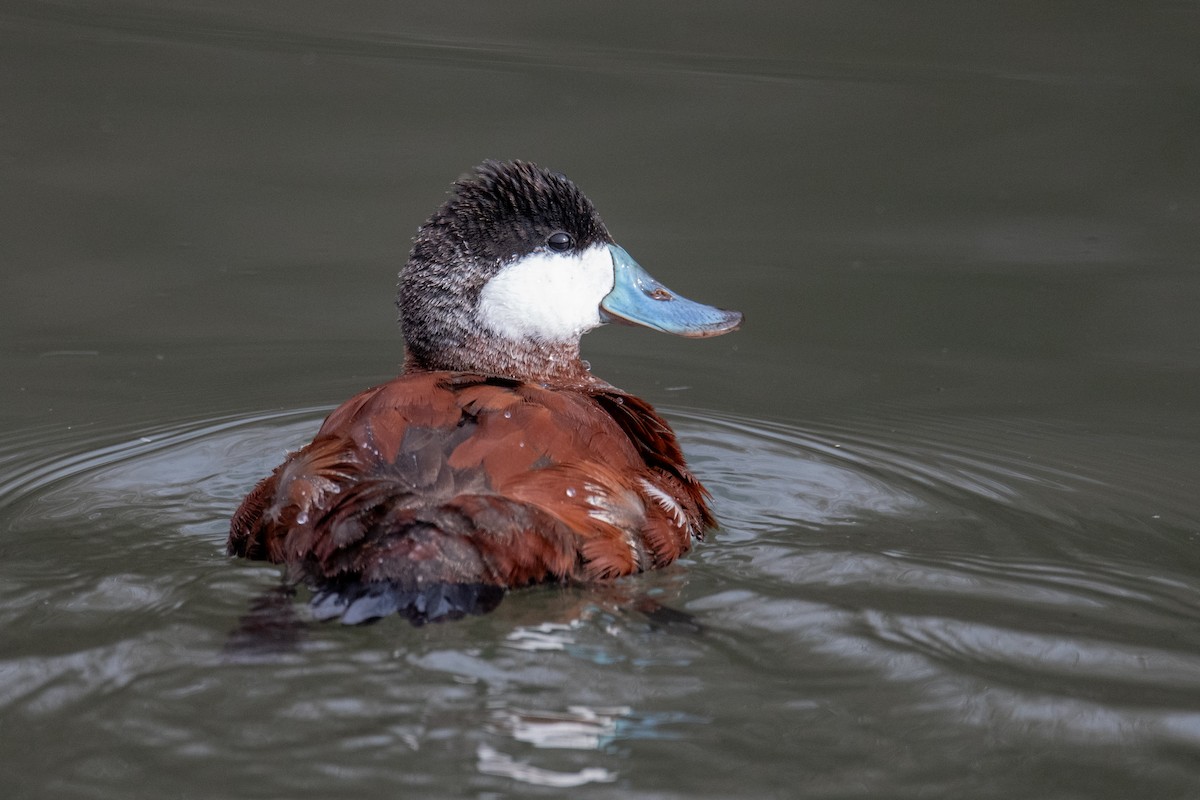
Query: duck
496	459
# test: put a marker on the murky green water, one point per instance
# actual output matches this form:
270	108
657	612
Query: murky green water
955	450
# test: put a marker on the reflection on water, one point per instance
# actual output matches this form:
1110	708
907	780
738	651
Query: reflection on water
940	576
577	728
492	762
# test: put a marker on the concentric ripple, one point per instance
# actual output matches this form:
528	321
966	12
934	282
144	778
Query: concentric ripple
979	576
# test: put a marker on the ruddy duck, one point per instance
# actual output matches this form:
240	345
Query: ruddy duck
496	459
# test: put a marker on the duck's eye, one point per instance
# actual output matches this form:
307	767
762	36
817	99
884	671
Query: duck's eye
560	242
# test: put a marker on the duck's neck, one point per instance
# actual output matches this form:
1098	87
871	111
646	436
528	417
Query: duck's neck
556	363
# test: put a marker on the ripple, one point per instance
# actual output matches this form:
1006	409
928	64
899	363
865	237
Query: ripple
950	556
169	471
965	558
767	474
924	468
839	473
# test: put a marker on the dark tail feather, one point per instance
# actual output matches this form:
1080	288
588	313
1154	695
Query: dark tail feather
358	602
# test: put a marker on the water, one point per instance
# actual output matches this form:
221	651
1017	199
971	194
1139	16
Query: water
954	451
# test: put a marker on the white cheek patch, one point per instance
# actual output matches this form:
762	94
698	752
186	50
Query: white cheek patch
549	296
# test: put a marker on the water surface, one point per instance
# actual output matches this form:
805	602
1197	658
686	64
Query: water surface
954	451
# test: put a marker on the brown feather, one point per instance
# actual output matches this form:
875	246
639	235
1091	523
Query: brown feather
452	478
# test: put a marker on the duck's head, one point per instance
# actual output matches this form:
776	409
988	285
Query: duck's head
514	268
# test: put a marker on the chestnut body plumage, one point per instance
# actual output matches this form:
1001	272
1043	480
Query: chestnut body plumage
496	460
